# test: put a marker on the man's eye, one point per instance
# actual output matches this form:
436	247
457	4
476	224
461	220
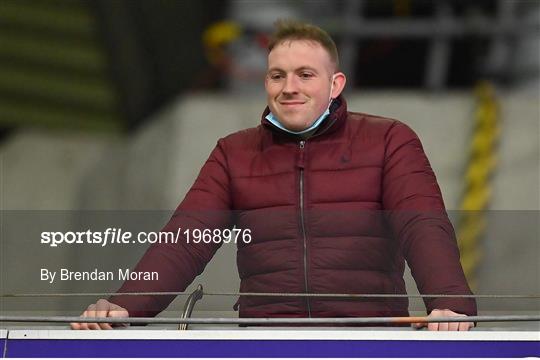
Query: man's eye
275	76
306	75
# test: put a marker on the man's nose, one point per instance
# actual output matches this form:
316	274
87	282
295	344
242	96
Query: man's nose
290	85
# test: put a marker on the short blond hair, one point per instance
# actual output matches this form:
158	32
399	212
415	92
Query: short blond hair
296	30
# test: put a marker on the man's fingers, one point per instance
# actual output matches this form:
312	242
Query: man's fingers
94	326
452	326
91	311
117	312
444	326
77	326
436	326
102	308
83	326
105	326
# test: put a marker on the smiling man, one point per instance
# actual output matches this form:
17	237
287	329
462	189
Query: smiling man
335	202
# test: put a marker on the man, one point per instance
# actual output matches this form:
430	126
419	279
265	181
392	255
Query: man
335	201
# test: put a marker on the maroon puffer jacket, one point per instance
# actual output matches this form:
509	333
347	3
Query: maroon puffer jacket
337	213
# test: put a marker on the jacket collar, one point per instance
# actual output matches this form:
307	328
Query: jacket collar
335	121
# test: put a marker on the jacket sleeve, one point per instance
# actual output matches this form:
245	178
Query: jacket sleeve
418	219
206	206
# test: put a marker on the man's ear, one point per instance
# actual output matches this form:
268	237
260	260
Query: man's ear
338	85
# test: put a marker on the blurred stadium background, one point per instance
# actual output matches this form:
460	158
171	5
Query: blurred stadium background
115	105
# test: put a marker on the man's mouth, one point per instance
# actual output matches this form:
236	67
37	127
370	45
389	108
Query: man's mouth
291	103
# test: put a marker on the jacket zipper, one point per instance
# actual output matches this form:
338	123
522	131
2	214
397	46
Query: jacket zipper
302	223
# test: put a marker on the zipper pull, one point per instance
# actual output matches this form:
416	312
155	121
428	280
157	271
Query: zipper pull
300	162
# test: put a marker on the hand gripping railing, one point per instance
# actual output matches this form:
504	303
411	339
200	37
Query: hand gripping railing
189	305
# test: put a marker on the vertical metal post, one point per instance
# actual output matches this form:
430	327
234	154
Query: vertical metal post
499	57
439	52
349	48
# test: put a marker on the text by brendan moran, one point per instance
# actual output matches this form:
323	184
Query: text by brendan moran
96	275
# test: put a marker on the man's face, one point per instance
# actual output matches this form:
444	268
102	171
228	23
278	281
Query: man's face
298	82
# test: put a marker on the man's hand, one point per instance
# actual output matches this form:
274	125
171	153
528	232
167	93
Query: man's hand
102	308
453	326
